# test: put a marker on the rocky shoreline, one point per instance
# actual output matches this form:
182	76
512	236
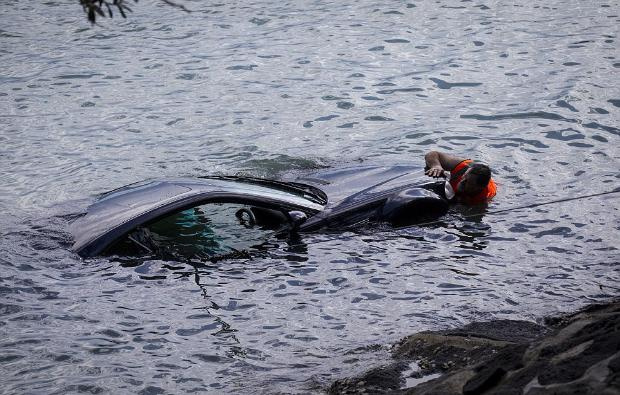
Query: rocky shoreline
572	354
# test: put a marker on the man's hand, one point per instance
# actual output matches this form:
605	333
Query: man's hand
438	163
435	172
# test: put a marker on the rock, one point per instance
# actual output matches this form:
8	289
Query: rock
573	354
385	379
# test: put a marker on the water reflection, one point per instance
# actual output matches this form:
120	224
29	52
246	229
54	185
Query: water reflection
224	327
268	87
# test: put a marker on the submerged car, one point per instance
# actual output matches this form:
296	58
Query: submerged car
218	214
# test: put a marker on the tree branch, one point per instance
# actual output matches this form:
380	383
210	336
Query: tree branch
95	8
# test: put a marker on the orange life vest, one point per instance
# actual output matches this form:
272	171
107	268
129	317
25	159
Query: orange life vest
456	175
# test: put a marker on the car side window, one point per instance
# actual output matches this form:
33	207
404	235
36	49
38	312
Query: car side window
205	231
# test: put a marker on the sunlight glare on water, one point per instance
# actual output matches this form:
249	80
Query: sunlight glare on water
278	88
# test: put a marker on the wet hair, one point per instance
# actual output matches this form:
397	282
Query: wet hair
481	173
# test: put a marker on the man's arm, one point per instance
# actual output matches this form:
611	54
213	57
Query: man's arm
438	162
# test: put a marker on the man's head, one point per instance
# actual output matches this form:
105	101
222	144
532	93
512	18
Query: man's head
474	181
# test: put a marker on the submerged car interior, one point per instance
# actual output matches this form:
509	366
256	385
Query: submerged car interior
204	231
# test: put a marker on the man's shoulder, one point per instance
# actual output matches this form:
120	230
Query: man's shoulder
462	165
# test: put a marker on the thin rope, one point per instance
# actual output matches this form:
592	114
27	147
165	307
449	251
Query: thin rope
554	202
617	190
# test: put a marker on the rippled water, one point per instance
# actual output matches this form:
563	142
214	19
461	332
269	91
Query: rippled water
273	88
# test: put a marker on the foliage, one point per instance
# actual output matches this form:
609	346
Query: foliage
94	8
103	8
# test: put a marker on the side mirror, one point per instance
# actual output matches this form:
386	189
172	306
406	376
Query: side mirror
296	218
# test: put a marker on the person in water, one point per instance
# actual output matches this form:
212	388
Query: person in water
471	182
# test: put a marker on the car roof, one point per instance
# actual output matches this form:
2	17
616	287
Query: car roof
347	185
120	211
354	191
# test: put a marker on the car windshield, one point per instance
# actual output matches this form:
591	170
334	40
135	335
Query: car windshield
203	232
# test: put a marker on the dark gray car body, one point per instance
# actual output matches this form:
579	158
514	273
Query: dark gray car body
329	199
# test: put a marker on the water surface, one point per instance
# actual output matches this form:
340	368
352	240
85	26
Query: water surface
273	88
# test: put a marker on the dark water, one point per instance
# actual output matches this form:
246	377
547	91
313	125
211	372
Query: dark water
269	88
